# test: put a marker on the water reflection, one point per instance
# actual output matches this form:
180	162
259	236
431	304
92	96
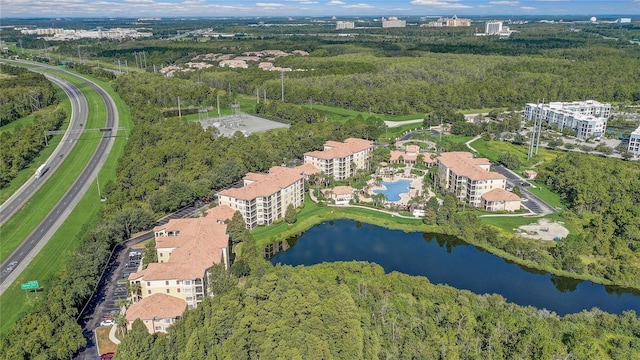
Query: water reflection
448	260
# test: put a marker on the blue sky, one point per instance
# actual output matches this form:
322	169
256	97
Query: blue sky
174	8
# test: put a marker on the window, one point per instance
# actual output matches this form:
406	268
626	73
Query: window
148	291
166	282
158	328
178	290
161	254
168	291
187	282
148	283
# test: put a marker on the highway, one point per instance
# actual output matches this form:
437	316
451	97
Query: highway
30	247
79	114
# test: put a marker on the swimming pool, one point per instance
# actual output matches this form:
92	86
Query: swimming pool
394	189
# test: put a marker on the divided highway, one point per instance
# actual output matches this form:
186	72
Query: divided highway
50	224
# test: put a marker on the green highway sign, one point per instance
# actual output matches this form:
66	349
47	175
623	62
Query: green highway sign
33	284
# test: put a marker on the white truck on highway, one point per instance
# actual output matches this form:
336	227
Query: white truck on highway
41	170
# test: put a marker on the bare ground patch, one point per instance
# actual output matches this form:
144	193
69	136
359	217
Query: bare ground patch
544	229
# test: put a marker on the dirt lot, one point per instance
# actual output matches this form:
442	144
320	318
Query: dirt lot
543	230
245	123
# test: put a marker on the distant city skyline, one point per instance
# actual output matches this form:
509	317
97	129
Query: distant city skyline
338	8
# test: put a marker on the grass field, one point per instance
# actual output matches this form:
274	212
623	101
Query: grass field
54	255
104	344
11	127
492	149
30	215
28	172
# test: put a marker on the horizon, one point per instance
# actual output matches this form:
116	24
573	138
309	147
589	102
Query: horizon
176	9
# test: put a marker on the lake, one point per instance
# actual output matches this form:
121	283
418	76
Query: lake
447	260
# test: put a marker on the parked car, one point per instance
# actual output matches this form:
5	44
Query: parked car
107	356
107	322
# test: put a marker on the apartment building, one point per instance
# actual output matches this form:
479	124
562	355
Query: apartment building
342	159
264	198
186	250
410	156
157	312
393	22
634	142
587	118
345	25
500	200
468	177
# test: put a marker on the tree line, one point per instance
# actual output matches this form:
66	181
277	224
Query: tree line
23	92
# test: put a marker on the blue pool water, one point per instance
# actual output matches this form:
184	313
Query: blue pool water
394	189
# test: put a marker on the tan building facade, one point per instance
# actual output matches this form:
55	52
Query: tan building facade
186	250
342	159
264	198
157	312
500	200
468	177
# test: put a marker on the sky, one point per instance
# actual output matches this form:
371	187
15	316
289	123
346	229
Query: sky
338	8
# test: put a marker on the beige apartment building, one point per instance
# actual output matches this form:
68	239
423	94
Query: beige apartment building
500	200
468	177
157	312
264	198
186	249
342	159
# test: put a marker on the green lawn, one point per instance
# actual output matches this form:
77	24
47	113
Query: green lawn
492	149
30	215
28	172
53	257
11	127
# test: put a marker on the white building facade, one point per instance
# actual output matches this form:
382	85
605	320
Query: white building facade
341	160
634	142
587	118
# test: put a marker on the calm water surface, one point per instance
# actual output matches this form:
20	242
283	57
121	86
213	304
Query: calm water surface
447	260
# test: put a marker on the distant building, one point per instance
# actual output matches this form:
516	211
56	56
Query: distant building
468	177
342	159
345	25
493	27
587	118
634	142
234	64
410	156
624	20
448	22
393	22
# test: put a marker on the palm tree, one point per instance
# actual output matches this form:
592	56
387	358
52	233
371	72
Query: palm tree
121	323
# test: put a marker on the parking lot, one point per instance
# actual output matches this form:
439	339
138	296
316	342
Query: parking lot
530	201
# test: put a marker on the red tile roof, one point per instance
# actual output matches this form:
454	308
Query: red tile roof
266	184
464	164
335	149
160	306
500	195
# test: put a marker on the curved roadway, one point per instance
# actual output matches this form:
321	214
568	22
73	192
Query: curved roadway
79	114
50	224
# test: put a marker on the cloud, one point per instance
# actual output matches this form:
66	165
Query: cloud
527	8
271	5
336	2
441	4
509	3
359	6
306	2
554	0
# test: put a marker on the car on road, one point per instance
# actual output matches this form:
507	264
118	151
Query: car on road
524	199
107	322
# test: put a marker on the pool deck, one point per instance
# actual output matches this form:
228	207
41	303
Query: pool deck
414	189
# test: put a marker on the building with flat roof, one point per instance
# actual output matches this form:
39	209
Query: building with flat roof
634	142
587	118
186	249
468	177
393	22
157	312
341	159
345	25
264	198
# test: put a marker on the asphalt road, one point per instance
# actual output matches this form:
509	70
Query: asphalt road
108	290
79	113
532	202
50	224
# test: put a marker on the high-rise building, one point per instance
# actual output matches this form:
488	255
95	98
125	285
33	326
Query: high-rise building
493	28
634	142
345	25
587	118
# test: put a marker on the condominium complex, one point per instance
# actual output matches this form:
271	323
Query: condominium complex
468	177
410	156
500	200
264	198
448	22
342	159
186	249
393	22
587	118
634	142
493	27
345	25
157	312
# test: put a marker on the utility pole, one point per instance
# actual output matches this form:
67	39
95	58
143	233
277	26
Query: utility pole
79	57
264	96
126	65
218	101
98	182
257	96
282	81
119	68
179	112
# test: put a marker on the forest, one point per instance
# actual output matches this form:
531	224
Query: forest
23	92
356	311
